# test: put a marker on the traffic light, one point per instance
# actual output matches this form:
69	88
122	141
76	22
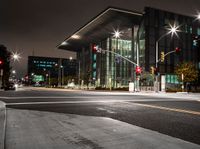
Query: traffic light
1	63
162	57
152	70
138	70
177	50
94	48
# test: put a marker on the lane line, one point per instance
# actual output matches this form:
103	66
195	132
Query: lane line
66	102
96	98
43	97
167	109
88	101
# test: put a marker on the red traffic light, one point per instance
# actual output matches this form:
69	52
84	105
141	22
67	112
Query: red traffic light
138	70
94	48
1	62
177	50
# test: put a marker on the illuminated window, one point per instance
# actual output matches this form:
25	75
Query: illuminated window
94	65
198	31
191	30
94	57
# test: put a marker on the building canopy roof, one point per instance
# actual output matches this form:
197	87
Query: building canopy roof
101	27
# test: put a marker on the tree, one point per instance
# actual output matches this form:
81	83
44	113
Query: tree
147	78
5	67
188	71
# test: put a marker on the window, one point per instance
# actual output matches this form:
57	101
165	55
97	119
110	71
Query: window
172	79
198	31
190	30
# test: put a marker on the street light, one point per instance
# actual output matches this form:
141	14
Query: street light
98	49
13	72
62	75
15	56
117	34
198	17
172	30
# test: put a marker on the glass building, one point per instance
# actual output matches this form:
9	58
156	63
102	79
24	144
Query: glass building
139	33
52	71
154	28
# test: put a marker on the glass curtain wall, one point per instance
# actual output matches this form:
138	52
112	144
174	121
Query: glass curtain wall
116	72
120	68
111	70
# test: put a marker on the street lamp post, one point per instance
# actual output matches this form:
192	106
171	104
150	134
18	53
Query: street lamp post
171	31
48	78
62	75
117	35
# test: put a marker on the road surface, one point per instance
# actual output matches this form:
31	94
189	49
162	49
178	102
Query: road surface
156	116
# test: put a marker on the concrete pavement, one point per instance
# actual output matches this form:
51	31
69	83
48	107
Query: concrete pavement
48	130
2	123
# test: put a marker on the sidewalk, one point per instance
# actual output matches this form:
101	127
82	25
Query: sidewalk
47	130
2	124
179	95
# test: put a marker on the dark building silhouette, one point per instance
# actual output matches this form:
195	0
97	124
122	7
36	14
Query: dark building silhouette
51	71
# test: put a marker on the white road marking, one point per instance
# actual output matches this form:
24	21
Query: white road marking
103	109
66	102
166	108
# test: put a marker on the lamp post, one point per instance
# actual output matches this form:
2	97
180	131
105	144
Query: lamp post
15	57
13	75
172	31
116	35
62	75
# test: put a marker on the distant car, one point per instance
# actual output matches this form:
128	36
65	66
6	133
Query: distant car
10	86
37	84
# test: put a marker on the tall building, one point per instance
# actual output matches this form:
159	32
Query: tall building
128	39
153	29
51	71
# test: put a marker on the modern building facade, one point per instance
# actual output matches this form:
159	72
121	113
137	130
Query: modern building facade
138	35
51	71
153	27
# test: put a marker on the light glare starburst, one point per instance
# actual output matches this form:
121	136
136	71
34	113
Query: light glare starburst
16	56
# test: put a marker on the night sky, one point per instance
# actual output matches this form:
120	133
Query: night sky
37	26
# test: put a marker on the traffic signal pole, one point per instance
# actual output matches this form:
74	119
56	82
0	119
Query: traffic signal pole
100	50
177	50
156	83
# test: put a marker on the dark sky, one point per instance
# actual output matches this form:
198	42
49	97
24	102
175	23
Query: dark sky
39	25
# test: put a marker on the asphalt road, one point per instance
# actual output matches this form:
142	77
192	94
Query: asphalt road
178	118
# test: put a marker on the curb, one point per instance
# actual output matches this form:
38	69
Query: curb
2	123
